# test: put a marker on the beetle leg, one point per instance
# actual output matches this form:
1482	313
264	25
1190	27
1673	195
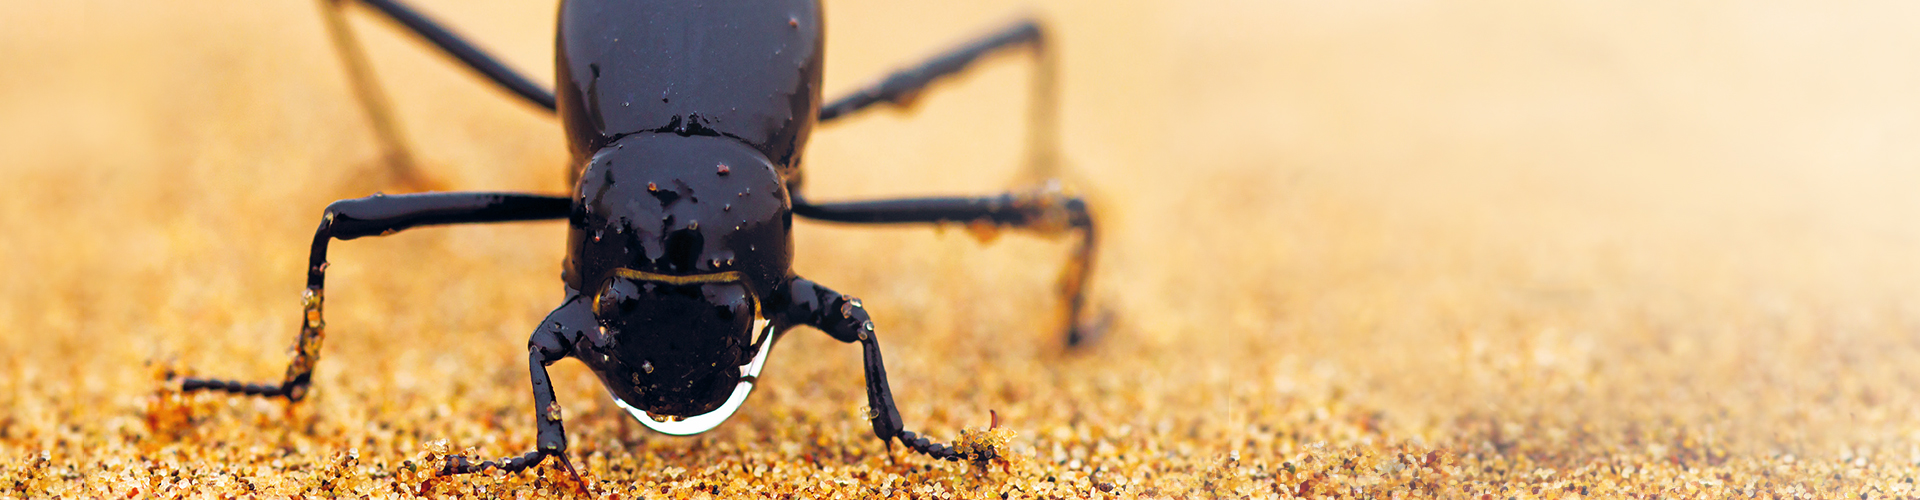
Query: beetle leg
551	342
1043	125
1046	211
366	88
373	100
469	55
372	216
846	320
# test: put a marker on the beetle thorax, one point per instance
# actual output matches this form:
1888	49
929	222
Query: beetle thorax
679	205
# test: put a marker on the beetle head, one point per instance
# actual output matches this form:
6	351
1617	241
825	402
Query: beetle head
674	347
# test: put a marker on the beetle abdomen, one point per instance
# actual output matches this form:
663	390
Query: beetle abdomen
743	69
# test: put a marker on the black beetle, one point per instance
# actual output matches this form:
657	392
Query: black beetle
685	121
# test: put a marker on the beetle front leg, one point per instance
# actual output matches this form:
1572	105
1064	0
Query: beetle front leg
552	440
550	343
845	319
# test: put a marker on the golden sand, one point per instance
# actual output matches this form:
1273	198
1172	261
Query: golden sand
1502	249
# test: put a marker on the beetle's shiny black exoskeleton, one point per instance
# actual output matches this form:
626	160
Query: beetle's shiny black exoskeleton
685	121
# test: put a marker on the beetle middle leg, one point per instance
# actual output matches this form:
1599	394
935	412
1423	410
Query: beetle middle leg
1046	211
381	215
375	216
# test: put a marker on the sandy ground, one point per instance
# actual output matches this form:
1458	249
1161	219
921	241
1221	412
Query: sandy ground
1388	249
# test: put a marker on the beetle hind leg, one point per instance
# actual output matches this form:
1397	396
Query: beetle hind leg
395	152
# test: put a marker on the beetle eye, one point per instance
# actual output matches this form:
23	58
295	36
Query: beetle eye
618	297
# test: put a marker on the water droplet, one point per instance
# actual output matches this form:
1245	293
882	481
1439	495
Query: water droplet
651	187
724	169
693	224
646	366
727	207
596	235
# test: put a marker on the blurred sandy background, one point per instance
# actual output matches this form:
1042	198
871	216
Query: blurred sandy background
1516	248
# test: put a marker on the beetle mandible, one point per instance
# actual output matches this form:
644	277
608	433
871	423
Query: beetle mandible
685	122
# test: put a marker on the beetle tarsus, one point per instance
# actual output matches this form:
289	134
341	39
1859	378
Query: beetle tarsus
233	386
460	464
457	465
916	442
